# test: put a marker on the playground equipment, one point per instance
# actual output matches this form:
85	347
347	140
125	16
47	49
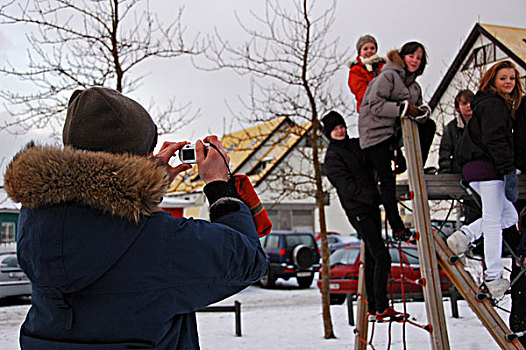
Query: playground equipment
433	251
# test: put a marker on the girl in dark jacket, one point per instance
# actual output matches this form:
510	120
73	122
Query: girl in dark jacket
351	174
364	68
486	154
393	93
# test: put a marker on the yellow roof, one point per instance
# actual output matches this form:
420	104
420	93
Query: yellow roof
239	145
513	38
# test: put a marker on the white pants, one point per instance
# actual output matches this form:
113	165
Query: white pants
497	213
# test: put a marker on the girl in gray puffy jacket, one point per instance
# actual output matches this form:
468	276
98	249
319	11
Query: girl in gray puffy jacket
393	93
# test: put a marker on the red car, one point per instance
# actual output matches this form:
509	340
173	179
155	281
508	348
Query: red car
344	274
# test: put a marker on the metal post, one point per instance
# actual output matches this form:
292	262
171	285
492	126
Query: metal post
350	311
453	297
237	308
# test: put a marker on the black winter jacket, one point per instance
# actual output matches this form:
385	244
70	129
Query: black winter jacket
519	136
348	170
447	161
489	133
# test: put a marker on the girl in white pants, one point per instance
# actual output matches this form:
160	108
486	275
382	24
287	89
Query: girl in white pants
485	151
498	213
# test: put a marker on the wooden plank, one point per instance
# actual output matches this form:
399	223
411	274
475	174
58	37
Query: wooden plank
447	186
362	324
425	242
468	289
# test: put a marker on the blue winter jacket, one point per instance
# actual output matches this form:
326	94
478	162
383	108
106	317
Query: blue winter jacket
121	274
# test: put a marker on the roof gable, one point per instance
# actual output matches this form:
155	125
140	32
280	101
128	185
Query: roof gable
512	41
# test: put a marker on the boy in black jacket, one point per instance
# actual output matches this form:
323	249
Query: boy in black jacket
352	176
447	162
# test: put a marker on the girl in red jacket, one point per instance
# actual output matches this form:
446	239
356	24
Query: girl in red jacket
364	68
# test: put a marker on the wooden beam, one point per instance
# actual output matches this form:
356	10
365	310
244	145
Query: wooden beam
425	241
362	323
447	186
468	289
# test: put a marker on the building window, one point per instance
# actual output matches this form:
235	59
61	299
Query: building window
481	56
292	219
8	232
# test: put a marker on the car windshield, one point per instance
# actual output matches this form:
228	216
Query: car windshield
412	255
333	239
344	256
293	240
8	260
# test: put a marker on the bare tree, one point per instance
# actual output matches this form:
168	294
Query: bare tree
83	43
290	58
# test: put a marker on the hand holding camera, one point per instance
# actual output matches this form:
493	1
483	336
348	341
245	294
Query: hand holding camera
213	166
187	153
210	157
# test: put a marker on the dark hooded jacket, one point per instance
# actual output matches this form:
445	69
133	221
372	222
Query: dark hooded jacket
351	174
109	270
519	136
447	161
488	135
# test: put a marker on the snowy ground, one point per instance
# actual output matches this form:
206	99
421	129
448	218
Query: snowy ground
287	317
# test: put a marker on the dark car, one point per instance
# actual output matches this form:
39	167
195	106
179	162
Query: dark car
13	281
290	254
345	268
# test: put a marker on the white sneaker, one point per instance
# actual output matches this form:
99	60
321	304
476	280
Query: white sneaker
458	242
497	287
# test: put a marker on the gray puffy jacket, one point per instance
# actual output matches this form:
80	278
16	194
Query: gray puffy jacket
380	109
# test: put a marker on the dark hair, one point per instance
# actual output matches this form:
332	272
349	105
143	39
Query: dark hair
411	47
466	94
487	84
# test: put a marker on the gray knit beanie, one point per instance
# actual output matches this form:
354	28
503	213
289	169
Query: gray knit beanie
102	119
364	40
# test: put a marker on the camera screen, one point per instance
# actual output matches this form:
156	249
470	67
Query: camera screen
188	154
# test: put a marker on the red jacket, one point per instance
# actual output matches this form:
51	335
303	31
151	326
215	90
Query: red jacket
360	77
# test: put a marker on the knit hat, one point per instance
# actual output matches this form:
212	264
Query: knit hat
102	119
332	120
364	40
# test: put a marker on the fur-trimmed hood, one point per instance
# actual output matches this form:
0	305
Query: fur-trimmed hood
394	57
396	63
125	186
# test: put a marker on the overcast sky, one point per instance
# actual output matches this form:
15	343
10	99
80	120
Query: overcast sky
440	25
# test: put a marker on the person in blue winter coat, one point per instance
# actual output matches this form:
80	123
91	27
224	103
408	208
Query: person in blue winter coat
109	269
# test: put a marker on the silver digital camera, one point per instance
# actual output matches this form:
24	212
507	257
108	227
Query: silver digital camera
187	153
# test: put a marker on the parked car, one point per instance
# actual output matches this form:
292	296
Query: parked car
290	254
13	281
344	272
334	239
